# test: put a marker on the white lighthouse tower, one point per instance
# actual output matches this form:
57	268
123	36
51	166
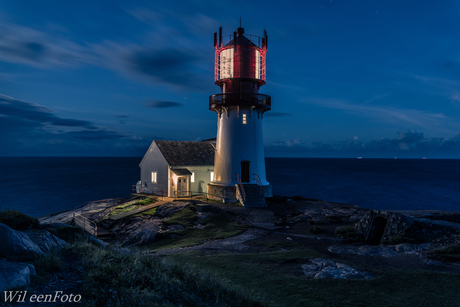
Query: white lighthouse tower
239	164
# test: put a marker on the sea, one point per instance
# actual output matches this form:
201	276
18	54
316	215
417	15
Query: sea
42	185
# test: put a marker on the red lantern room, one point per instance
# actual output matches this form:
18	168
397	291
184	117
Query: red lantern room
240	68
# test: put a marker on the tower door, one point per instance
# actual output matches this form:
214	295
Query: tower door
244	171
182	187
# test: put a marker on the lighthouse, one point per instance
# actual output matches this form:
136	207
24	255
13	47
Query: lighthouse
239	161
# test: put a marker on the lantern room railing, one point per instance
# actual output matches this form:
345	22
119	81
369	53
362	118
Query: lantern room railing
240	99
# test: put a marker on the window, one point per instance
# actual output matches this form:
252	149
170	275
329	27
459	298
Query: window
245	118
192	179
154	177
212	176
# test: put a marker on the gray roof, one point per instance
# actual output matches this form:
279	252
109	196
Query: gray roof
182	153
181	172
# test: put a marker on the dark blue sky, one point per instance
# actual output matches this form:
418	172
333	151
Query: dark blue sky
347	78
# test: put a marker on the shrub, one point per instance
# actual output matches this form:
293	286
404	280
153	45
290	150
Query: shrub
18	220
138	279
346	231
450	253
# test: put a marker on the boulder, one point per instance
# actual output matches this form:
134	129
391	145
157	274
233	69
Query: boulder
96	241
45	240
16	242
169	209
325	268
143	232
15	275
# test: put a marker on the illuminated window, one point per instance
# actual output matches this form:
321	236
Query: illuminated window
245	119
192	179
154	177
212	176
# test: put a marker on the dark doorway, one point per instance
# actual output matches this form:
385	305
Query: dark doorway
244	171
376	231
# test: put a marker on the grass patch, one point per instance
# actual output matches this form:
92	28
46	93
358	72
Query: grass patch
216	226
276	279
44	264
450	253
18	220
148	212
346	231
141	280
131	206
71	234
185	217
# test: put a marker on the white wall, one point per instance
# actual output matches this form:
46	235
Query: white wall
154	161
237	142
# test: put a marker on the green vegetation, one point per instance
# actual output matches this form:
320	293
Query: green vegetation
131	206
18	220
145	201
450	253
404	237
44	264
139	279
346	231
71	234
216	226
148	212
276	279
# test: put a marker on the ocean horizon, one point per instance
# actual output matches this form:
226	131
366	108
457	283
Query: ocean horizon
44	185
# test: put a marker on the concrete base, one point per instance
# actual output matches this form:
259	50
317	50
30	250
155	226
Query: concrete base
224	193
228	193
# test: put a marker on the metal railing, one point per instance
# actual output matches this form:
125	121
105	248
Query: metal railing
259	182
89	205
85	223
233	99
240	184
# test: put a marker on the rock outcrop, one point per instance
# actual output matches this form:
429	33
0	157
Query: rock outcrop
45	240
169	209
15	275
16	242
325	268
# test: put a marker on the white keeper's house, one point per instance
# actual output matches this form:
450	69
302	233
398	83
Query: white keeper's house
177	168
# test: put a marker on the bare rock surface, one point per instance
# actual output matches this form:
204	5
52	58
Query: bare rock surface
380	250
16	242
45	240
15	275
325	268
169	209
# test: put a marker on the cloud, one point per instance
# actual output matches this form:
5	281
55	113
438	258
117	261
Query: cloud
386	113
173	64
31	114
31	129
407	143
277	114
161	104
